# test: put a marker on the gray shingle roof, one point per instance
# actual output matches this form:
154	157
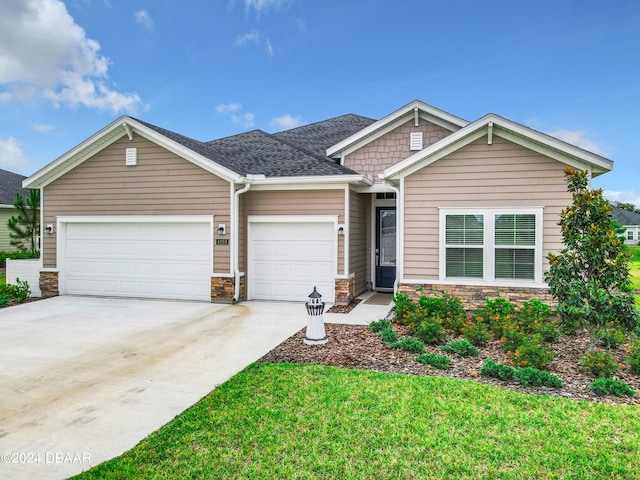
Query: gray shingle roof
297	152
10	183
625	217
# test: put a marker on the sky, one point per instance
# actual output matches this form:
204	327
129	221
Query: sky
213	68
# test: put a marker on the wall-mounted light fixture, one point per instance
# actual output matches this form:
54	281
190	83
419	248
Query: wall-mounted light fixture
222	229
48	228
340	230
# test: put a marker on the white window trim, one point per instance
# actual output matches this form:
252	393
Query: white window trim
489	246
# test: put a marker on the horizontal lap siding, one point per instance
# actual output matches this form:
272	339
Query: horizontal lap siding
479	175
392	147
291	202
160	184
360	221
5	239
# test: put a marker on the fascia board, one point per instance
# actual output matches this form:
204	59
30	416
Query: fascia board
392	118
311	180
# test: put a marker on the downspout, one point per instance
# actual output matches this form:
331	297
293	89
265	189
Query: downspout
236	240
398	246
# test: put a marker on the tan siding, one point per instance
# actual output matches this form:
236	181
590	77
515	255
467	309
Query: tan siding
392	147
359	234
479	175
161	184
5	239
292	202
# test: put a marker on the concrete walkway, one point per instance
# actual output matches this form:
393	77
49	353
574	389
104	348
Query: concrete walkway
85	379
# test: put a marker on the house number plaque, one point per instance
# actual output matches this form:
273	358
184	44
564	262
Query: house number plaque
222	241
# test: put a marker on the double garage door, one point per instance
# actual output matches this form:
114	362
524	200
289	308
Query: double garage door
170	260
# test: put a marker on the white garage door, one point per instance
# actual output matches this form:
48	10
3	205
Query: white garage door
148	260
286	260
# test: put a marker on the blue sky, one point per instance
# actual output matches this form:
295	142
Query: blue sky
208	69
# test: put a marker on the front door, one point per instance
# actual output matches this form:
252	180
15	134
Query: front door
385	247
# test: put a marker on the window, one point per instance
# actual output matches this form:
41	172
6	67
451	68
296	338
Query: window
494	245
629	234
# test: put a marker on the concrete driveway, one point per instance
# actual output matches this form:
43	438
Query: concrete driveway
84	379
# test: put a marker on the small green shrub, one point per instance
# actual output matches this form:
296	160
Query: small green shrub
403	307
477	333
512	338
535	377
497	370
438	361
613	337
633	359
18	292
4	299
15	256
388	335
409	344
495	314
600	363
461	347
430	330
605	386
532	352
379	325
549	330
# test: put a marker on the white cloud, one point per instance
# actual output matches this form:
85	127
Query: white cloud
246	119
579	139
251	37
42	128
263	5
226	108
143	18
629	196
285	122
45	54
270	49
11	154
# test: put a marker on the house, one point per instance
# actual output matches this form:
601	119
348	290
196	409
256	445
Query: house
10	184
420	200
630	221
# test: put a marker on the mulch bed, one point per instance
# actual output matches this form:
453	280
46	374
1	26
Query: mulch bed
355	346
345	308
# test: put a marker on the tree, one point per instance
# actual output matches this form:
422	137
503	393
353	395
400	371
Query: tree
25	227
590	276
625	206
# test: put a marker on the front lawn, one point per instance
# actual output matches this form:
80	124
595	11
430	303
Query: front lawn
311	421
3	278
634	266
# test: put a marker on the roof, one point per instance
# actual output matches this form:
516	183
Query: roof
10	183
625	217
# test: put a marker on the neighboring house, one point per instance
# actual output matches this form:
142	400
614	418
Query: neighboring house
631	223
419	200
10	183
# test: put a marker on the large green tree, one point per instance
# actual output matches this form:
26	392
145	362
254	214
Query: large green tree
625	206
590	276
25	227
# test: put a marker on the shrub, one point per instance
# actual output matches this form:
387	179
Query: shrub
375	327
14	256
495	314
388	335
600	363
4	299
18	292
633	359
447	308
497	370
461	347
604	386
477	333
409	344
532	352
535	377
549	330
512	338
403	307
438	361
612	337
430	330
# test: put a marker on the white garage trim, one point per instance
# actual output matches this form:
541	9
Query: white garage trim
63	222
328	221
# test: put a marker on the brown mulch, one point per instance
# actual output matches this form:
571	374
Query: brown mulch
345	308
355	346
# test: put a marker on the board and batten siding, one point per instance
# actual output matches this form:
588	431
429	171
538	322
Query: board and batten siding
479	175
162	183
392	147
290	202
359	235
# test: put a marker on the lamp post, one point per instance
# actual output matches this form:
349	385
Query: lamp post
315	323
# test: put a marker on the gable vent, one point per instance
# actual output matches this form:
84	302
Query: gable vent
415	142
131	157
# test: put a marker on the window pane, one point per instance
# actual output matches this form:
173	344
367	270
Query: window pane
464	229
515	263
513	229
464	262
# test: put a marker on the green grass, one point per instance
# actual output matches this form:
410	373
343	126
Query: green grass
634	266
309	421
3	279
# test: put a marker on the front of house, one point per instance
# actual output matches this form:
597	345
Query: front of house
419	200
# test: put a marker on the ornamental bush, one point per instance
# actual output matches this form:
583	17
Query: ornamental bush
463	348
532	352
605	386
537	378
497	370
600	363
438	361
409	344
633	359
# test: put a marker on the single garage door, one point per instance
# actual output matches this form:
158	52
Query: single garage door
286	260
147	260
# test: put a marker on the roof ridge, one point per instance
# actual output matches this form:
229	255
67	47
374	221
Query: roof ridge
323	121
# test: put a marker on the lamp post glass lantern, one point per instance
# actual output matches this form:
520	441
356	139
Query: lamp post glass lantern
316	334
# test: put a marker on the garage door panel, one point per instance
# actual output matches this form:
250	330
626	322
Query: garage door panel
155	260
287	260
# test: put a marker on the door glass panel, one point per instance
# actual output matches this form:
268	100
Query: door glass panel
387	238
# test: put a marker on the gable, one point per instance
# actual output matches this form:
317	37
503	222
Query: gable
394	146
